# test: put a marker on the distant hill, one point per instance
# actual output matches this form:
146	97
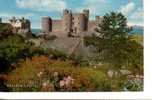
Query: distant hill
138	30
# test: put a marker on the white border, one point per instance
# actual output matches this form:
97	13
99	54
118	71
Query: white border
147	94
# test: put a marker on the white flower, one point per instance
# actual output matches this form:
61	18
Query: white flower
39	74
62	83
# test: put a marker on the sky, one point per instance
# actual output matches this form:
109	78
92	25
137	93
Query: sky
36	9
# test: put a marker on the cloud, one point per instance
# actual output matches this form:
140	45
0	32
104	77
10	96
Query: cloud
16	15
134	15
128	8
96	7
137	17
42	5
138	14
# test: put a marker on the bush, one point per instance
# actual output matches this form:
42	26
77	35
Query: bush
42	74
5	29
15	47
55	54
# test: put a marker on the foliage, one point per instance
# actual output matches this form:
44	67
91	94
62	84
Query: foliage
114	44
55	54
134	85
5	29
14	47
42	74
114	26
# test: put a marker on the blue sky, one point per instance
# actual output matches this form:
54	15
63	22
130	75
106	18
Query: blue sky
35	9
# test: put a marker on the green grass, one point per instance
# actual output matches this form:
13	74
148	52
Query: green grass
139	38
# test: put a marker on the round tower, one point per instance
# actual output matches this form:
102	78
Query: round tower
46	24
67	21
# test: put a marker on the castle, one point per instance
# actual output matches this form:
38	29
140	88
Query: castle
71	23
20	25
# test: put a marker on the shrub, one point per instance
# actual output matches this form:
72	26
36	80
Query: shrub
5	29
15	47
55	54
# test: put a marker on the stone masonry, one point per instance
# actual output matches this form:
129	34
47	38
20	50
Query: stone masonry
73	23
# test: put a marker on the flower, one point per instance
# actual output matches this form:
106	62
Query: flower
62	83
39	74
47	86
66	81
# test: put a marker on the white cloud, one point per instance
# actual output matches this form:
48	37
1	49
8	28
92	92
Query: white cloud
134	14
128	8
95	7
137	17
42	5
138	14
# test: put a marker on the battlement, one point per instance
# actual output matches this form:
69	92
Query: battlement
71	23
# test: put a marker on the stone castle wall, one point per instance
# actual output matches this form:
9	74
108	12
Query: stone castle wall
77	23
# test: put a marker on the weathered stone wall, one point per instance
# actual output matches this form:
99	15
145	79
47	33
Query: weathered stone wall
75	23
57	26
92	26
46	24
78	23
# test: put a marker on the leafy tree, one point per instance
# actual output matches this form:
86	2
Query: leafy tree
114	44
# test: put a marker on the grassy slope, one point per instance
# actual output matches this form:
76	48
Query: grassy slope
139	38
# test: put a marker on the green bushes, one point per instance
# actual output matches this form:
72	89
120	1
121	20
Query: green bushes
15	47
55	54
5	29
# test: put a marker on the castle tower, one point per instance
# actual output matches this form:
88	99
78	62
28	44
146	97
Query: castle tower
67	21
86	13
46	24
79	23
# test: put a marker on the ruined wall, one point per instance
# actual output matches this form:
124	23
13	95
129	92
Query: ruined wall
91	26
75	24
46	24
57	26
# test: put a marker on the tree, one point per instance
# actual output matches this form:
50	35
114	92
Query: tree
114	44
